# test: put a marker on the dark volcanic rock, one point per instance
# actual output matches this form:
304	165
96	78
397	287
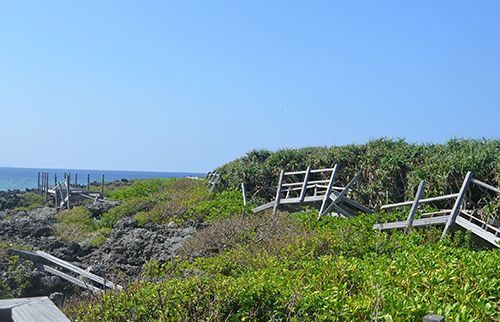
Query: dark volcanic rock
34	228
130	246
99	208
10	199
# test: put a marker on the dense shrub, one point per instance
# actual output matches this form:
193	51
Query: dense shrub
390	170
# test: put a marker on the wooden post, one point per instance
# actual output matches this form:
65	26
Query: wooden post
278	192
55	179
88	182
38	182
244	193
102	186
341	195
46	185
68	194
55	195
418	196
76	181
458	203
328	190
433	318
304	185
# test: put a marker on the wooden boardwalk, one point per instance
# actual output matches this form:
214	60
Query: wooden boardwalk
39	309
80	277
63	192
299	187
455	216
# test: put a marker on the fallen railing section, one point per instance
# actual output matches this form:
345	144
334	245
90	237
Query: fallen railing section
84	278
299	187
448	218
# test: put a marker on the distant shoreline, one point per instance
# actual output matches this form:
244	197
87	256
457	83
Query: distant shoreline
26	178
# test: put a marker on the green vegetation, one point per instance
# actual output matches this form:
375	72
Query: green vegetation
150	200
30	201
390	170
335	269
14	272
285	266
77	224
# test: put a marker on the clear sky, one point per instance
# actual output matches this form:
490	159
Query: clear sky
189	85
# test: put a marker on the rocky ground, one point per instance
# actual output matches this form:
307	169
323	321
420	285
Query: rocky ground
126	250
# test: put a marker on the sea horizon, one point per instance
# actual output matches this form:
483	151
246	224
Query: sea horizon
21	178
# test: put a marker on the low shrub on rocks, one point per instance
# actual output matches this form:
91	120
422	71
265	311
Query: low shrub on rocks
335	269
77	224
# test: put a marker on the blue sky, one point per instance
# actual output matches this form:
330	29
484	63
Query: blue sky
189	85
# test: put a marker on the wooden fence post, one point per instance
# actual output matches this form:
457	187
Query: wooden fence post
414	206
244	193
76	181
458	203
278	192
304	185
328	190
433	318
38	187
88	182
46	185
102	186
68	191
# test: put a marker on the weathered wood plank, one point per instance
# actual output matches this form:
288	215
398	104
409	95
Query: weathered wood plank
441	220
72	279
304	185
458	203
77	270
328	191
39	309
263	207
475	229
338	197
244	193
278	192
426	200
418	196
485	185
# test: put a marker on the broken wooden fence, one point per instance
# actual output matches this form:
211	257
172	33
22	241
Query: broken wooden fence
84	278
300	187
447	217
213	178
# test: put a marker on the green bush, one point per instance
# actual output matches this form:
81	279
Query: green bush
78	225
13	280
342	271
30	201
222	205
389	169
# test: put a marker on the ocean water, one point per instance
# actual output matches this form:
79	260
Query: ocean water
27	178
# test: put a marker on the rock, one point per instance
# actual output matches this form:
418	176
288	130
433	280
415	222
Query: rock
50	281
130	246
57	298
99	208
10	199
